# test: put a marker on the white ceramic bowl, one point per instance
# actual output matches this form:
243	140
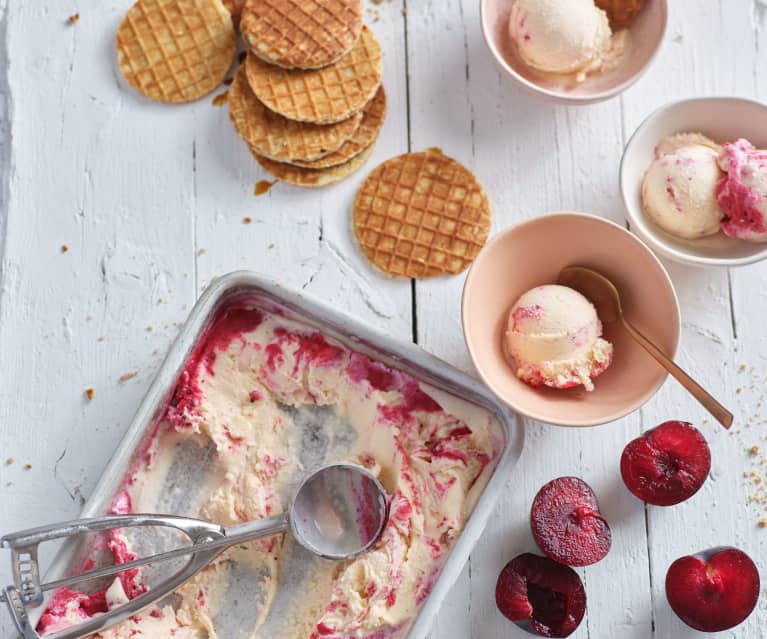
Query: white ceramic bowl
721	119
645	37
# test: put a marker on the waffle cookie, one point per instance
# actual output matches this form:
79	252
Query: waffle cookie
301	34
277	138
175	50
621	12
373	116
420	215
324	95
313	178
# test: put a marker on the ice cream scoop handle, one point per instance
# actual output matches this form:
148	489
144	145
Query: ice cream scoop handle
719	412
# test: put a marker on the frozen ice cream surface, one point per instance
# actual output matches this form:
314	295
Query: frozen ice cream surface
679	187
262	401
555	338
742	192
564	36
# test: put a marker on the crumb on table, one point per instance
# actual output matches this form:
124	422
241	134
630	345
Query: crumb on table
90	394
74	18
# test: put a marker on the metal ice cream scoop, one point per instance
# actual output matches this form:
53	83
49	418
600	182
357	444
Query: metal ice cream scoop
338	512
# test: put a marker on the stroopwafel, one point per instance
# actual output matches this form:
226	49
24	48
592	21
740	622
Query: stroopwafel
324	95
373	116
621	12
277	138
175	50
314	178
301	34
421	215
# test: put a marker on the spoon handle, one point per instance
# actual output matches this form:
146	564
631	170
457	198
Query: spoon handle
719	412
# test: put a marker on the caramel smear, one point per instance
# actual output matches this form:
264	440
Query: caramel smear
263	186
220	99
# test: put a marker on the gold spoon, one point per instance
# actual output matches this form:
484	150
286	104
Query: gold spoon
607	301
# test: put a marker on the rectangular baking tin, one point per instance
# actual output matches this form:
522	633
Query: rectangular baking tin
356	336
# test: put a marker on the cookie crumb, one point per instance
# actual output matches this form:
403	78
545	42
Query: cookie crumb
126	376
74	18
241	57
221	99
228	81
263	186
27	466
754	450
149	328
202	251
64	248
247	220
90	393
9	461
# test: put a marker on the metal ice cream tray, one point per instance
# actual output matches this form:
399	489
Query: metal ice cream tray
354	335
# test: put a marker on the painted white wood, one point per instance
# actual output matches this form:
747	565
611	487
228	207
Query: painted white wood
151	201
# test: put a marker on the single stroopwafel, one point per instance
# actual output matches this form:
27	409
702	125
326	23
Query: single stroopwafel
175	50
373	116
313	178
277	138
621	12
324	95
301	34
420	215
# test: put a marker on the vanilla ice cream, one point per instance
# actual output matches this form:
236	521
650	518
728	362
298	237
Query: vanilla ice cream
262	401
564	36
742	193
555	338
679	187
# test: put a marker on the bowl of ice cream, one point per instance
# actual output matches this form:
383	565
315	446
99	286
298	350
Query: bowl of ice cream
542	349
694	181
574	51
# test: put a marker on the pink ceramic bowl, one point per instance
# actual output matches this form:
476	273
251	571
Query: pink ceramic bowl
532	253
645	37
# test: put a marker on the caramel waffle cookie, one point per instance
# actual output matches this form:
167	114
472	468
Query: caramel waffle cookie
175	50
621	12
324	95
313	178
277	138
420	215
373	116
301	34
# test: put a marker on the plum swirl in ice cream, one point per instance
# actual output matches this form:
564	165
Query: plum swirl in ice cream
555	338
270	398
742	193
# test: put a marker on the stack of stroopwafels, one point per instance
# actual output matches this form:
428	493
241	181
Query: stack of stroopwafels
308	100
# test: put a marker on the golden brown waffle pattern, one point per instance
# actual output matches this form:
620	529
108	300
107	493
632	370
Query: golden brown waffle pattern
420	215
313	178
175	50
373	116
276	137
325	95
301	34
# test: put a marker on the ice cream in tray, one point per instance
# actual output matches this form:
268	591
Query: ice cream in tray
262	387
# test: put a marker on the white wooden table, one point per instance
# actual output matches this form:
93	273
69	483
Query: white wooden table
150	201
